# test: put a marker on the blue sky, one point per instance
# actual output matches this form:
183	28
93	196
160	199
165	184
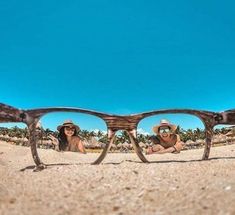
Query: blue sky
118	56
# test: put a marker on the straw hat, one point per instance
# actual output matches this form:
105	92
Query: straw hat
164	123
68	123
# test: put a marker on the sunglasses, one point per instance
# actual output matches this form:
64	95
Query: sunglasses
67	128
99	130
164	130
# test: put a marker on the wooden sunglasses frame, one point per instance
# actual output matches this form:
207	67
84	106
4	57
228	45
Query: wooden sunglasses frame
114	123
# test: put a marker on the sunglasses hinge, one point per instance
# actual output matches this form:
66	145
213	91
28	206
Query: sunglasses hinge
218	117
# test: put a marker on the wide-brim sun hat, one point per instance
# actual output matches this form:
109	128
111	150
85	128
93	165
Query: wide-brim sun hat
68	123
164	123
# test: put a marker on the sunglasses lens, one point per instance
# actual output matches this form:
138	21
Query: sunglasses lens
70	129
164	130
173	133
80	142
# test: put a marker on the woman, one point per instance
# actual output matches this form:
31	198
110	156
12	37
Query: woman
166	140
67	138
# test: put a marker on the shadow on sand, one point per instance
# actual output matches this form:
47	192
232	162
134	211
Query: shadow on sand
117	163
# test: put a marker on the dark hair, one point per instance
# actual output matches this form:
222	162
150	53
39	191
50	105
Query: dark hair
63	142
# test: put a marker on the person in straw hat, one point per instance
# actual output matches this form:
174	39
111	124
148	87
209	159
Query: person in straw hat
67	138
166	139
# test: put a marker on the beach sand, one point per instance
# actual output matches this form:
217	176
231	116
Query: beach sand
177	184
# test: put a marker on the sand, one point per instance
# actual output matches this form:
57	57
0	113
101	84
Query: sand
177	184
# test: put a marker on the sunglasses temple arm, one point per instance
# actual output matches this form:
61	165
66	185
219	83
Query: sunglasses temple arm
226	118
33	145
209	135
10	114
111	137
137	148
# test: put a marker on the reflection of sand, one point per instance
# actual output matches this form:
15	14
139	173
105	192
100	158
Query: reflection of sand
194	187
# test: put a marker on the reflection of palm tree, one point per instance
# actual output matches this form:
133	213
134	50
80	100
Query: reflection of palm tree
99	134
104	139
190	134
92	134
124	137
178	129
84	134
142	138
197	133
25	132
185	135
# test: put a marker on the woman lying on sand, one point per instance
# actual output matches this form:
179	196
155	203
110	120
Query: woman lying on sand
67	138
166	140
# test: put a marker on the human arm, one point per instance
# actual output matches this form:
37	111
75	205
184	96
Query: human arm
81	147
167	150
77	145
179	144
176	148
154	149
55	142
155	145
159	149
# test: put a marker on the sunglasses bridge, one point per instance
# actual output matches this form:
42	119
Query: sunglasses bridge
128	123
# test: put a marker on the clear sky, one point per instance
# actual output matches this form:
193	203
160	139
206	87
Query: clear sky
118	56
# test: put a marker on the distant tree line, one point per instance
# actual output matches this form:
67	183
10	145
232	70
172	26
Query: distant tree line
189	134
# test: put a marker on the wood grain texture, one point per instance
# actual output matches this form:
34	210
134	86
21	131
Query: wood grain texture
114	123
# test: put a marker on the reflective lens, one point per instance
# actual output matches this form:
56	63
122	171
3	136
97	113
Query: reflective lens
72	129
170	136
164	130
67	137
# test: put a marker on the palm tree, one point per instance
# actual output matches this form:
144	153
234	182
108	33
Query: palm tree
104	139
99	134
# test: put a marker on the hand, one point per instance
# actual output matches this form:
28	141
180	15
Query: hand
168	150
55	141
149	150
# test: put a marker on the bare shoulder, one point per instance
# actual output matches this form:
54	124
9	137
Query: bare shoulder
76	139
